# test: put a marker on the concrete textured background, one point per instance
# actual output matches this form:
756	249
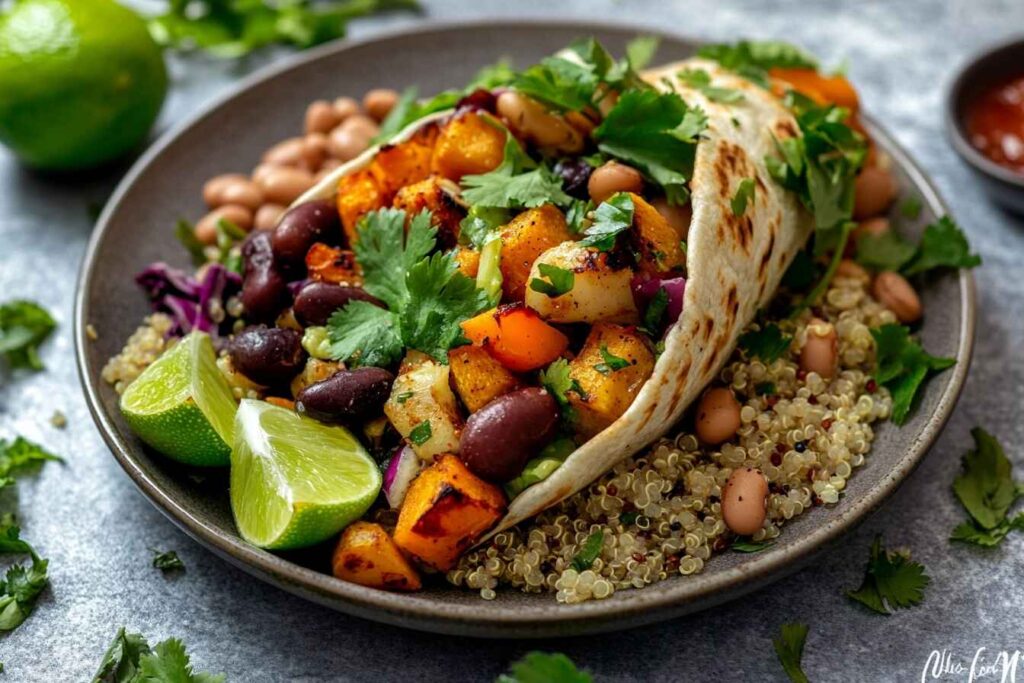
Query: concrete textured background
95	527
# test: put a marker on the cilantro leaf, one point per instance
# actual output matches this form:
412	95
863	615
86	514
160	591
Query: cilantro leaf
169	663
765	388
421	433
742	546
185	233
789	648
641	130
588	552
560	83
887	251
700	80
654	315
744	194
694	122
987	490
610	362
362	334
891	581
641	50
753	59
767	343
613	216
22	585
576	215
517	183
481	224
971	532
386	252
120	663
167	561
408	109
558	382
561	280
911	207
542	667
943	245
903	366
22	454
24	325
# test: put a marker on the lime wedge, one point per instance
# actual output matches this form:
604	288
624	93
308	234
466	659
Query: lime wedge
182	405
295	481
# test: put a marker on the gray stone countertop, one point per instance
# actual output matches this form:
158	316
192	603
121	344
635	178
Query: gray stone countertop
96	528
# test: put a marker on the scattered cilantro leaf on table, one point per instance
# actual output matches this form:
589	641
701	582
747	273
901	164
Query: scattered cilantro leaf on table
24	325
744	195
767	343
167	561
789	648
22	585
613	216
129	659
891	581
21	455
589	552
987	490
517	183
903	366
543	667
559	280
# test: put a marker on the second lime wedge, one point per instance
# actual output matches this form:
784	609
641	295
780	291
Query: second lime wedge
295	481
182	406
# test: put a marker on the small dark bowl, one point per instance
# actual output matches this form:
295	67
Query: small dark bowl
977	75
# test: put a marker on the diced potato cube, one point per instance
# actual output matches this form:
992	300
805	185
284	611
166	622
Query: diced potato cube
601	289
468	145
654	240
479	377
358	194
366	555
607	391
526	237
430	194
445	511
423	409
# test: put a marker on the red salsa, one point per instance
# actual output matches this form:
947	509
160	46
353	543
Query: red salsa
995	123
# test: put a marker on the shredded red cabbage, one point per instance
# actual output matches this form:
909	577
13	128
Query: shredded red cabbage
191	303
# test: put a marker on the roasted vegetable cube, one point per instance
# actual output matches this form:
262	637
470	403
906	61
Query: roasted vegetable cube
612	366
479	377
396	166
358	194
468	261
516	336
526	237
445	511
655	241
325	263
366	555
601	287
431	194
423	409
468	145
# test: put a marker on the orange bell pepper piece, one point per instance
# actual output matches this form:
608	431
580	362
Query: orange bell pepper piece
516	336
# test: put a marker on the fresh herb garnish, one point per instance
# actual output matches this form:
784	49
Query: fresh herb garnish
765	388
627	518
911	207
561	280
543	667
21	456
557	380
421	433
590	551
700	80
743	546
167	561
185	233
481	225
426	295
753	59
613	216
516	184
652	132
234	29
129	659
22	585
987	491
610	362
24	325
887	251
767	343
891	581
943	245
404	396
789	648
744	195
654	315
903	366
576	215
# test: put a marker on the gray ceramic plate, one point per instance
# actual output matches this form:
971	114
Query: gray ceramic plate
165	184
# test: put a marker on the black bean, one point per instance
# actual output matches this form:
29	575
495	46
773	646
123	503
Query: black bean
300	228
347	396
315	302
575	174
267	355
264	289
503	435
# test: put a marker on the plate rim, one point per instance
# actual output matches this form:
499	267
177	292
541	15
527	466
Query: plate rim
487	619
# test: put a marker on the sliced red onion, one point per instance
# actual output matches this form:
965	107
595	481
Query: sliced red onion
645	289
402	469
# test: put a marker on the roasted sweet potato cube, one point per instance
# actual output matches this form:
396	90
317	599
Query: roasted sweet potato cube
325	263
358	194
479	377
444	212
468	145
609	380
366	555
526	237
446	509
654	240
468	261
408	162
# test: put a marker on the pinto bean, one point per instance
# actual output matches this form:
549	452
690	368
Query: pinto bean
267	355
853	271
206	227
898	295
241	193
873	192
744	501
529	119
290	152
347	396
213	189
345	107
347	144
614	177
820	353
315	303
267	216
361	124
321	117
502	436
379	102
283	185
718	416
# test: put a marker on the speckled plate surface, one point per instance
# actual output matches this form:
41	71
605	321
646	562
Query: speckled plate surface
165	184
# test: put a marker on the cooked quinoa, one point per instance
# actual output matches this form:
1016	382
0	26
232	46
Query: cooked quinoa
660	511
142	348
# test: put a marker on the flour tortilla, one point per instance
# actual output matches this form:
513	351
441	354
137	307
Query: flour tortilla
734	264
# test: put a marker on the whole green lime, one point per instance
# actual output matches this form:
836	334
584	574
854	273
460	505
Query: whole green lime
81	82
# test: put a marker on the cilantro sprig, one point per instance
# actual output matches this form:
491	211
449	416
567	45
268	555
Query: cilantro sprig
426	295
891	581
789	648
24	325
767	343
518	183
744	195
700	80
21	456
943	245
753	59
610	362
903	366
130	659
588	552
987	490
21	586
167	561
612	217
543	667
559	280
